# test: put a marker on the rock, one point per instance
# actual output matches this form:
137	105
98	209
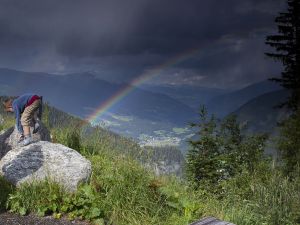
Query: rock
42	160
42	135
4	138
9	138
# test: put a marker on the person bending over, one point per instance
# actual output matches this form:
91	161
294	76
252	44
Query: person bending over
28	111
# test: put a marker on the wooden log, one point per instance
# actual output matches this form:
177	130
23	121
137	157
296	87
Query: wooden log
211	221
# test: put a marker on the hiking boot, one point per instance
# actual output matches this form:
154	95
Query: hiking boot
26	141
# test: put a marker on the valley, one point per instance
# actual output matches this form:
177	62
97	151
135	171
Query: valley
150	115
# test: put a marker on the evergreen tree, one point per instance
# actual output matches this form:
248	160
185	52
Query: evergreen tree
287	46
202	157
220	151
289	144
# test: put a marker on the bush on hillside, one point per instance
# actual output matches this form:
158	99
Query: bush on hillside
289	144
221	151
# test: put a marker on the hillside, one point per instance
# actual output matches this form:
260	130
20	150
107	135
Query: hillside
121	191
225	104
81	94
189	95
261	114
62	124
141	112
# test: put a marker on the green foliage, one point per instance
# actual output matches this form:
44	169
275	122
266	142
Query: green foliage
242	187
7	119
182	199
221	151
287	47
265	196
47	197
73	140
289	143
57	119
126	191
202	159
277	198
40	197
7	123
93	140
83	204
120	192
45	115
6	189
168	154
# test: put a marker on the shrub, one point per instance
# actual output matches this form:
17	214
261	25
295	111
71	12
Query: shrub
265	196
120	192
6	189
221	151
289	143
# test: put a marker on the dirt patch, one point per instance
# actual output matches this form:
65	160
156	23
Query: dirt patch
15	219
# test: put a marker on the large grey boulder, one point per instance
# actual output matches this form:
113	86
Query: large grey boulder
10	137
42	160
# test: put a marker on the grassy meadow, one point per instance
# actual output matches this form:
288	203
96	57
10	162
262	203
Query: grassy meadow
121	191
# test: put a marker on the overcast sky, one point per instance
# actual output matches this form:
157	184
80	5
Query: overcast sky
120	39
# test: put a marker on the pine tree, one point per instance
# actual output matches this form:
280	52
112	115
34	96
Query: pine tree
287	46
202	157
289	144
219	151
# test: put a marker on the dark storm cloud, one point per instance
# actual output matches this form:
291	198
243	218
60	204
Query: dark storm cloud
166	27
85	28
128	36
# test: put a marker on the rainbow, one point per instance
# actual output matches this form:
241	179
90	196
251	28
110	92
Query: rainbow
149	74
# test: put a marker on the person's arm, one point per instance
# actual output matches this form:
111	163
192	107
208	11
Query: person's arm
18	119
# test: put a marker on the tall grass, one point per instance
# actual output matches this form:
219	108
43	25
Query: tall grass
5	189
121	191
264	197
126	192
41	197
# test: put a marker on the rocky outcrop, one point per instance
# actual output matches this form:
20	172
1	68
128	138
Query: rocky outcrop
41	160
10	137
4	146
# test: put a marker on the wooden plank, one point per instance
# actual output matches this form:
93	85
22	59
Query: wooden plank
204	221
211	221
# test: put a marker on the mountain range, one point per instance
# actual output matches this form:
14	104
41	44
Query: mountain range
262	114
81	94
192	96
151	114
222	105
